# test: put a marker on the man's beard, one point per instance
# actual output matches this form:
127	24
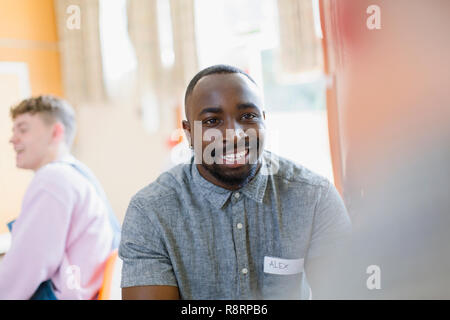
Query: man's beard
240	176
236	177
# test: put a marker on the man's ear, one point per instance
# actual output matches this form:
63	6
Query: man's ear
264	115
58	132
187	131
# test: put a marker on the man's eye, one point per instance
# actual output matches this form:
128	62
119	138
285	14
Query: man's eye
249	116
210	121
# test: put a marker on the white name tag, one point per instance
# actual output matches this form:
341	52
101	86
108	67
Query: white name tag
282	266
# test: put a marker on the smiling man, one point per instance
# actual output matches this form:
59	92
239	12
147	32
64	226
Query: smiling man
237	222
65	230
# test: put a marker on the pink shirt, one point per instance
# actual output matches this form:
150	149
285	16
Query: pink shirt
62	234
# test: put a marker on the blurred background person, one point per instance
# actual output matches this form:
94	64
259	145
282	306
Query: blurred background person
63	234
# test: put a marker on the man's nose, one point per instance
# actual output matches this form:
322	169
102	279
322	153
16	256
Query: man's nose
13	139
234	132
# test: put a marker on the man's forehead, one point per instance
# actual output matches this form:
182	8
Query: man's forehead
27	119
218	86
223	82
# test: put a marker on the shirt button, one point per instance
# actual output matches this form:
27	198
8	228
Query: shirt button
236	195
244	271
239	225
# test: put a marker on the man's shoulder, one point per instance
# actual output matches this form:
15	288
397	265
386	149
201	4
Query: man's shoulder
61	178
288	171
57	173
168	186
57	180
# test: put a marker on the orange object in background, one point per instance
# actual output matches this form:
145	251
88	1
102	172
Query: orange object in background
28	34
110	289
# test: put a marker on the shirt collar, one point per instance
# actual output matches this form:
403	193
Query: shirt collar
218	196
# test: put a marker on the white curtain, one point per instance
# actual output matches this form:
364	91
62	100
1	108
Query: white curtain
80	51
300	46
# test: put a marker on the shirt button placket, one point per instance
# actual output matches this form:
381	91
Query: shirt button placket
240	242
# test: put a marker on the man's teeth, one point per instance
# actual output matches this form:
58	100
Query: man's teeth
234	156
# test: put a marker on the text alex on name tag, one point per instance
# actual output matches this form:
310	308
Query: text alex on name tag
282	266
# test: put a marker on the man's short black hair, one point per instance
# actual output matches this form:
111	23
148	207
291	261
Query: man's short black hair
216	69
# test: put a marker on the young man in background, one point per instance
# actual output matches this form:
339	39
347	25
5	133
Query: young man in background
66	228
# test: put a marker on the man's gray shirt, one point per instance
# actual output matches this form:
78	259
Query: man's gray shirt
213	243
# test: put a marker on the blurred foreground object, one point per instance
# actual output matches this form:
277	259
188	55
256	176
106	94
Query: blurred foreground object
389	114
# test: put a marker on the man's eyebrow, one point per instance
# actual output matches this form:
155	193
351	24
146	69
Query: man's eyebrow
21	124
211	110
247	105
